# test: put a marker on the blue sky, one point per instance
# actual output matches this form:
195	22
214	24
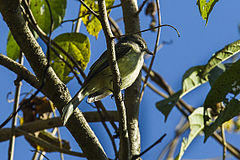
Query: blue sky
195	46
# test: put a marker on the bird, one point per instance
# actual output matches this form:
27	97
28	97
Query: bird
130	51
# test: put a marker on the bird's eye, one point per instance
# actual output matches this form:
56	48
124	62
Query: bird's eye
141	45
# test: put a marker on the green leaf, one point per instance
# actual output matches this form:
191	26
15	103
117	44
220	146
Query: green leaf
198	75
228	82
231	110
75	44
205	8
91	22
165	106
196	124
217	71
222	55
41	13
192	79
13	50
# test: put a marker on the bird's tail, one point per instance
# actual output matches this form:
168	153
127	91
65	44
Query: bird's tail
72	105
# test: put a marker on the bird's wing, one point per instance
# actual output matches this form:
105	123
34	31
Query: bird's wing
102	62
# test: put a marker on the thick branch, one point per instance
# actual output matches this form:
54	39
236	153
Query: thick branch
131	22
53	88
39	125
124	141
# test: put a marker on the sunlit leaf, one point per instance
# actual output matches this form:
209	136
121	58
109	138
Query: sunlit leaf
220	56
231	110
192	79
40	11
13	50
165	106
205	8
196	124
75	44
91	22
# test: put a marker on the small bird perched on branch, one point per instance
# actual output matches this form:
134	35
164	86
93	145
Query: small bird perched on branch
130	52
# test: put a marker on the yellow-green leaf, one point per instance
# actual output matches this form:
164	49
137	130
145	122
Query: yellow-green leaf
91	22
13	50
205	8
41	13
75	44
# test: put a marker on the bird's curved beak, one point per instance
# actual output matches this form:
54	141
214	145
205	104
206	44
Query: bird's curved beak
147	51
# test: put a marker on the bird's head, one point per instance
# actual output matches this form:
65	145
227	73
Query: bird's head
138	40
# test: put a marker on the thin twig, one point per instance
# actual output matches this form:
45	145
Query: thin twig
150	147
178	105
75	19
18	84
141	7
154	52
41	153
223	142
89	9
163	25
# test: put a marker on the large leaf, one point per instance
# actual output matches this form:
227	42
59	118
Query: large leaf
75	44
227	86
220	56
205	8
90	21
196	124
226	83
231	110
13	50
41	13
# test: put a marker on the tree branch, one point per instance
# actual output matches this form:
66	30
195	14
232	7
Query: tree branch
124	141
20	70
132	93
54	89
39	125
48	146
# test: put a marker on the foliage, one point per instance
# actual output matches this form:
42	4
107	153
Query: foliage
224	79
198	75
41	13
91	22
75	44
205	8
13	50
224	90
196	124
